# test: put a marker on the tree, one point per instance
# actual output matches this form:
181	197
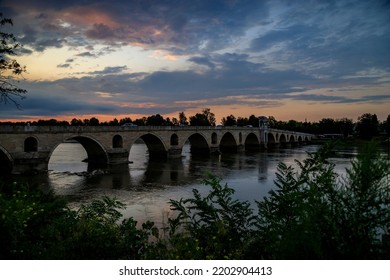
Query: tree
76	122
199	120
206	118
9	67
155	120
229	121
210	116
367	126
387	125
183	119
125	120
253	121
346	126
94	121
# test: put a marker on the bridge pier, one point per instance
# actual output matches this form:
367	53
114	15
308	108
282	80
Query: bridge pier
118	156
26	163
174	153
215	150
240	148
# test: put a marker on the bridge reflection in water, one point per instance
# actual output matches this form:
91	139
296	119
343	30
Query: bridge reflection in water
26	149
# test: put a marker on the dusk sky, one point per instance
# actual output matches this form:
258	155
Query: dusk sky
288	59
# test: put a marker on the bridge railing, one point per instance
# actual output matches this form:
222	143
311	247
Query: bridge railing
45	129
9	129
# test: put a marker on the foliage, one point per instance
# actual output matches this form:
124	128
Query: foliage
9	67
210	227
183	119
206	118
311	214
229	121
34	225
367	126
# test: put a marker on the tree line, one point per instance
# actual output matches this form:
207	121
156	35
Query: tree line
366	127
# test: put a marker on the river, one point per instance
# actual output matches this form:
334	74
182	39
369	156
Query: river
146	186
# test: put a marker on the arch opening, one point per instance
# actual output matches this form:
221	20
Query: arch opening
283	140
117	141
30	145
271	141
155	146
252	143
5	162
228	143
70	156
174	140
198	145
96	154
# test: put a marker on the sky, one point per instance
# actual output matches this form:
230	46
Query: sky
300	60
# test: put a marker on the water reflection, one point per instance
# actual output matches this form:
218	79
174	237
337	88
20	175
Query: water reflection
146	185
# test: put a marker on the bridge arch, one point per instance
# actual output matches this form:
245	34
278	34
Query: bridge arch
96	152
271	138
6	161
252	142
155	145
228	143
282	139
198	144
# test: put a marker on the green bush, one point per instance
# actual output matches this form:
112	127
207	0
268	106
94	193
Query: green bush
212	227
314	214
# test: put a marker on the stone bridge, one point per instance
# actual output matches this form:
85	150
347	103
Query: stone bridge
28	148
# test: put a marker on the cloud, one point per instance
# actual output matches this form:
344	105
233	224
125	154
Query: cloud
64	65
222	52
109	70
86	54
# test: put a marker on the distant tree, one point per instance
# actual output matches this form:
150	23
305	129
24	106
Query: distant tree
9	68
125	120
242	121
183	119
140	122
114	122
199	120
175	121
156	120
229	121
367	126
94	121
168	122
253	121
76	122
209	115
272	122
346	126
386	125
328	126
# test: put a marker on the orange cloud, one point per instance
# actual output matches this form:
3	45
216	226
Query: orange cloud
88	16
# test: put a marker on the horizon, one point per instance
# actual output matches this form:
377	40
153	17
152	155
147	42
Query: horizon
293	61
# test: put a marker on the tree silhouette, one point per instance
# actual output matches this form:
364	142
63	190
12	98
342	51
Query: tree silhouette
367	126
9	68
